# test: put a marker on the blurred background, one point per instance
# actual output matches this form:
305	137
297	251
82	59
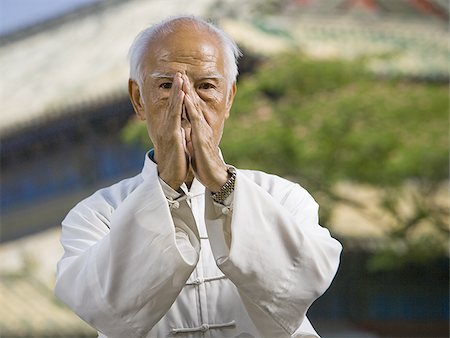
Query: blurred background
349	98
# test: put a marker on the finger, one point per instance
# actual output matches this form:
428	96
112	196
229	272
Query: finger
198	103
191	107
176	93
193	113
176	97
183	139
187	88
190	91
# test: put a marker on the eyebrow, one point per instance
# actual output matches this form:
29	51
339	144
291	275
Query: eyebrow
212	76
158	75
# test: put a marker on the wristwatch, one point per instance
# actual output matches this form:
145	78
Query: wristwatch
227	188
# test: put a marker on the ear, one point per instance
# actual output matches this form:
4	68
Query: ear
230	99
136	99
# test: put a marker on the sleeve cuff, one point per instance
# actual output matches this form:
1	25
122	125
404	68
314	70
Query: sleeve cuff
226	203
169	192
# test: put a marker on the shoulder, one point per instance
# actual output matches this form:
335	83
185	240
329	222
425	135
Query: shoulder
287	193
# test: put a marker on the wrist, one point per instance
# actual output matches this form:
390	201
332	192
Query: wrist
221	178
175	185
227	189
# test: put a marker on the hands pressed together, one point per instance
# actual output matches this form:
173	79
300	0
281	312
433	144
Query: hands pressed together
185	142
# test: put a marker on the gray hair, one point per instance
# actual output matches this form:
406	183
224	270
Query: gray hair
145	37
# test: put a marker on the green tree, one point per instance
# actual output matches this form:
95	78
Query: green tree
321	122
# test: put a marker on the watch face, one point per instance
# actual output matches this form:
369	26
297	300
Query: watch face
231	170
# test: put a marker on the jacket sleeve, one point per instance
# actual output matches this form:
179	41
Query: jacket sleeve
123	280
279	257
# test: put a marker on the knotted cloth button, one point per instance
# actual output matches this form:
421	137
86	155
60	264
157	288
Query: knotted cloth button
198	281
204	327
226	210
174	204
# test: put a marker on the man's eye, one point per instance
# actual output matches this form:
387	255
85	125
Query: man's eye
206	85
166	85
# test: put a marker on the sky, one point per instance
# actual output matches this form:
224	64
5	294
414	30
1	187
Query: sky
18	14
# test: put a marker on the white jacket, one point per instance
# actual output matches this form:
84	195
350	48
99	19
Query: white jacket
140	261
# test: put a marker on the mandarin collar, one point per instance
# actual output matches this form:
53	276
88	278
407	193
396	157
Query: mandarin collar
150	170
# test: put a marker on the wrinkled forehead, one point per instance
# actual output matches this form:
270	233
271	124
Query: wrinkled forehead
186	47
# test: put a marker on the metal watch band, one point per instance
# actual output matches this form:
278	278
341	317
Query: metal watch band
227	188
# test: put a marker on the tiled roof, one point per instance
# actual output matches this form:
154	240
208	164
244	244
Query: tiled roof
76	60
84	57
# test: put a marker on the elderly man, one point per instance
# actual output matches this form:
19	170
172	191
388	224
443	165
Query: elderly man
191	246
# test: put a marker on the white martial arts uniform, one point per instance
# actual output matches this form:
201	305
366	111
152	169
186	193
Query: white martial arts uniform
142	260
